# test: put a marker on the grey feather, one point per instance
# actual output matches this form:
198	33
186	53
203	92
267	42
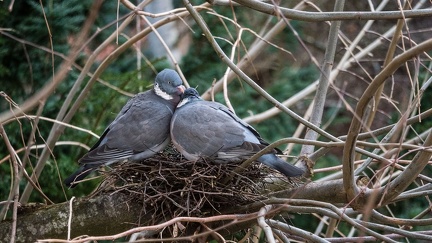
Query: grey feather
139	131
202	129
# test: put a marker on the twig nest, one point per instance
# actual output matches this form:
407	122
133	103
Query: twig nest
171	186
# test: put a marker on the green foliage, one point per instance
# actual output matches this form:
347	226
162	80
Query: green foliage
5	180
25	68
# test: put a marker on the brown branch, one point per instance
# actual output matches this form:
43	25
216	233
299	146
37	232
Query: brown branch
201	23
398	221
323	85
60	75
356	124
96	216
397	186
309	206
159	227
64	69
14	193
332	16
326	191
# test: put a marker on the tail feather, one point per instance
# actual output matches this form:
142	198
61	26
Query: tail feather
278	164
79	175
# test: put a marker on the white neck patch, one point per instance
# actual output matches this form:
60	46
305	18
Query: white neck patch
183	102
162	94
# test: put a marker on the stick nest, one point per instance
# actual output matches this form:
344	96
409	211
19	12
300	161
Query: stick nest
170	186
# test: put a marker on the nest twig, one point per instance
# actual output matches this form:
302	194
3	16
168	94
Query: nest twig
170	186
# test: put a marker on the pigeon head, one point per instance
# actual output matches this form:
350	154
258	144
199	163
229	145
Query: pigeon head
189	95
168	85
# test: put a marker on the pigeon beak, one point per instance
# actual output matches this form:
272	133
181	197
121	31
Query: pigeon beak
180	89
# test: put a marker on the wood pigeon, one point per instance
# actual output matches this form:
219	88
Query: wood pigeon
139	131
201	129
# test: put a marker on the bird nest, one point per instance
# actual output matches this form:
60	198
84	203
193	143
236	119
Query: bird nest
170	186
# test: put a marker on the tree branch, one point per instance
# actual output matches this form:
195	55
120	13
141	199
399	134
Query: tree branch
356	123
95	216
397	186
323	84
332	16
64	70
201	23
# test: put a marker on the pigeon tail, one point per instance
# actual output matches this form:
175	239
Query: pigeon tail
79	175
278	164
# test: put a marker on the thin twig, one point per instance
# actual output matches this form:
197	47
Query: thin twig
15	188
264	226
164	44
348	155
70	217
160	226
64	70
297	231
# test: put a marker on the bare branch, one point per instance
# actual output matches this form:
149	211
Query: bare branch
355	127
332	16
14	193
262	223
323	84
64	69
396	187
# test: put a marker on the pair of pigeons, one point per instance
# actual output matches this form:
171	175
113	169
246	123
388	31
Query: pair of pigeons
197	128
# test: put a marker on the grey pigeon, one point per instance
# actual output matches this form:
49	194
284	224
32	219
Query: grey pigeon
205	129
139	131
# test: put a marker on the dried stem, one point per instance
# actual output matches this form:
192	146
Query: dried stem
324	82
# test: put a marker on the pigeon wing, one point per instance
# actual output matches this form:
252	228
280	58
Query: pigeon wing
204	130
142	126
253	133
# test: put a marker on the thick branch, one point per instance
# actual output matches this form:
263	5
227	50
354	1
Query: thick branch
326	191
102	215
332	16
324	81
